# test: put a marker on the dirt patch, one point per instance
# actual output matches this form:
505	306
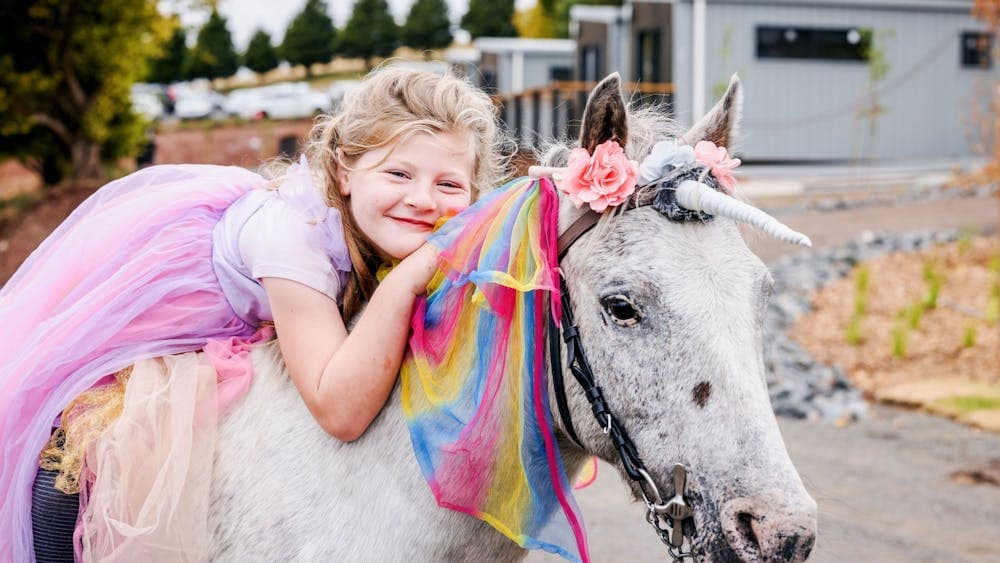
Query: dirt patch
917	329
16	179
988	473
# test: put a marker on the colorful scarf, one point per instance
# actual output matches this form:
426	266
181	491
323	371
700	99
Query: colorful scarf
475	390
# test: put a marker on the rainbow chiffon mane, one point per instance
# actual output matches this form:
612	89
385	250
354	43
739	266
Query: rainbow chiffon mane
475	390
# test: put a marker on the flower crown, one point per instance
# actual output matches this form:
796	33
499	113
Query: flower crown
607	178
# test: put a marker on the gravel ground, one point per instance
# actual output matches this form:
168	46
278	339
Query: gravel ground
882	483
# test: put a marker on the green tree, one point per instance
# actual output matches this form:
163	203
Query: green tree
490	18
169	67
310	37
66	68
260	55
213	54
427	25
371	31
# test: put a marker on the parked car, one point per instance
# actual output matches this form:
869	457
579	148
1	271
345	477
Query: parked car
147	105
238	102
288	100
151	100
199	104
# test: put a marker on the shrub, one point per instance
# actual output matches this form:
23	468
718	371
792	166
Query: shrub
899	341
969	336
934	281
913	314
854	336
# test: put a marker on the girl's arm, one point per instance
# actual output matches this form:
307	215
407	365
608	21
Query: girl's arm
344	378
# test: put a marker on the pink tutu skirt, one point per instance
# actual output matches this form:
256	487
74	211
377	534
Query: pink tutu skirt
127	277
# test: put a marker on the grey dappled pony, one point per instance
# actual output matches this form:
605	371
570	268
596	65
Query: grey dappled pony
683	373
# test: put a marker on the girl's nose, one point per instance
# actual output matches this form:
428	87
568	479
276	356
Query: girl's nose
421	196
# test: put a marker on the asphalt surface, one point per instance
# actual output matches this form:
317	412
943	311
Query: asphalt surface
883	484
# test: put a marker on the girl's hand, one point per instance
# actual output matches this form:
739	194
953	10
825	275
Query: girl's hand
418	268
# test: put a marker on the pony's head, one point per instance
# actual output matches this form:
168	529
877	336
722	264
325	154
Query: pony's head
669	303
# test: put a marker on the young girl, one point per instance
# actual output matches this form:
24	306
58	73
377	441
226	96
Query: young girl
174	259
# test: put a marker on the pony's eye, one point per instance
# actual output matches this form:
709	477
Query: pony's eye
621	310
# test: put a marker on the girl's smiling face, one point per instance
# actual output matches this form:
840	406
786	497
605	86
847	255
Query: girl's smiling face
398	192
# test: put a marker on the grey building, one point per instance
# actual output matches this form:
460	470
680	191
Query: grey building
824	79
509	65
518	72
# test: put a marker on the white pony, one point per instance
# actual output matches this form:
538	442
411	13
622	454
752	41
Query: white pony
670	316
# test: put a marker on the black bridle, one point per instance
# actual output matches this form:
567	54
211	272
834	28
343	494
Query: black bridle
676	509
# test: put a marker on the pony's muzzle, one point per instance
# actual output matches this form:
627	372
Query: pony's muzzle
765	528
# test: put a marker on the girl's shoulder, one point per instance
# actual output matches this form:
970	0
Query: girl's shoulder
295	214
287	228
299	190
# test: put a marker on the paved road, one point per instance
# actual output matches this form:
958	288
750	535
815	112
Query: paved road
883	487
883	484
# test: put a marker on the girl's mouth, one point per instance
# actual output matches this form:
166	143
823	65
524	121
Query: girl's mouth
423	225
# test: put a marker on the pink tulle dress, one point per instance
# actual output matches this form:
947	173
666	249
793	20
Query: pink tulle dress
151	265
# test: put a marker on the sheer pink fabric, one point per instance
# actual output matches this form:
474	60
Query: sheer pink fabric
128	276
146	481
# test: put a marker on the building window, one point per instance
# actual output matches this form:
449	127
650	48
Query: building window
560	73
648	67
590	63
976	50
845	44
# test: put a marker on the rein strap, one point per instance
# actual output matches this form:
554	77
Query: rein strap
676	508
578	365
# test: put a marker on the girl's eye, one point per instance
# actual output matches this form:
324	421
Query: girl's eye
621	310
397	173
451	186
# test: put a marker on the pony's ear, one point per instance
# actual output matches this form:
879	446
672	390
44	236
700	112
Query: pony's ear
720	125
604	117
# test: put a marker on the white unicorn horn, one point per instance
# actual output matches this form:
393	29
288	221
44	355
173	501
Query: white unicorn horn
699	197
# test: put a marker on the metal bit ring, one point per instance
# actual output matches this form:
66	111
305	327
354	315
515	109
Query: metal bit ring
658	506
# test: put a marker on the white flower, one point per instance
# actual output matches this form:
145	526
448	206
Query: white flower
665	156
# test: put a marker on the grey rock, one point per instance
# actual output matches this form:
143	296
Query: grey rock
801	387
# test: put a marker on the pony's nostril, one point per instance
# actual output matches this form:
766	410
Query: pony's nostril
742	531
747	533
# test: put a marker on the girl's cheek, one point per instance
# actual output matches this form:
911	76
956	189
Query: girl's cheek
455	208
462	201
389	196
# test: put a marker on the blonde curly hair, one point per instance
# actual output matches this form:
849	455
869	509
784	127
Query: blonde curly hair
390	105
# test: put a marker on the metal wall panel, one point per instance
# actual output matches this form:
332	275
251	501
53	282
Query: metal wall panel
810	109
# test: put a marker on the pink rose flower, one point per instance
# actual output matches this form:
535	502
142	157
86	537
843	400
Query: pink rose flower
603	180
718	162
